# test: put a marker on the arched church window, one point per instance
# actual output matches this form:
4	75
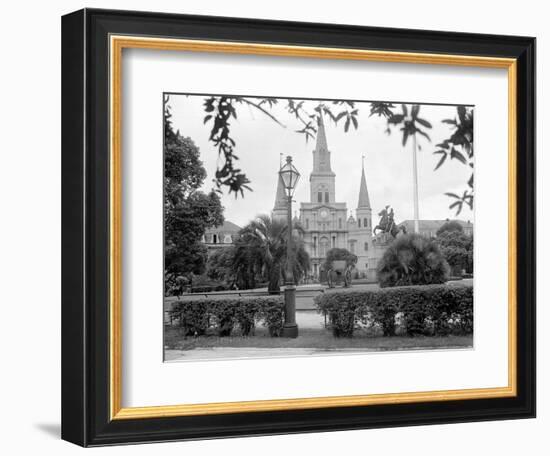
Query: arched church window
365	224
340	223
320	197
359	222
307	224
326	197
366	246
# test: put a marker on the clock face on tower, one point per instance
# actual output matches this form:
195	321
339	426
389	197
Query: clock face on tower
323	214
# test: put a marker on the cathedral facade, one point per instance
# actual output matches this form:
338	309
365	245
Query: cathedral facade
325	221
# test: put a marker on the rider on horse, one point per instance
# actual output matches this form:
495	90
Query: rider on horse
387	223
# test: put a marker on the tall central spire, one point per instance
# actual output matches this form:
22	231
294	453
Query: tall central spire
321	154
321	135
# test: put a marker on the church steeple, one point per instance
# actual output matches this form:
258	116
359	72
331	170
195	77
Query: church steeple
322	178
364	200
321	154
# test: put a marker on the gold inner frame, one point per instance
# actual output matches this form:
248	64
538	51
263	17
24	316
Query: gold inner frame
117	44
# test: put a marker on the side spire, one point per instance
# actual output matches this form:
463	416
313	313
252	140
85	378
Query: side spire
280	195
364	200
280	198
279	211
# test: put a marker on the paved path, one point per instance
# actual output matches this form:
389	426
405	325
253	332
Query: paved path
309	319
228	353
217	353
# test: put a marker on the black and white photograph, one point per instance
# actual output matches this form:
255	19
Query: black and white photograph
248	228
299	227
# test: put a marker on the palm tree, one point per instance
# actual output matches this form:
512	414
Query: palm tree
262	249
243	266
410	128
412	259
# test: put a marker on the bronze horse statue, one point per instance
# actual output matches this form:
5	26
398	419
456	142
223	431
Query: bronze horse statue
387	223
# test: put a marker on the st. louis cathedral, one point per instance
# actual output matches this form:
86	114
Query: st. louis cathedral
326	222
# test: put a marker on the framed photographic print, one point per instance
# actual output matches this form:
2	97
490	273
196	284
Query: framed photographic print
279	227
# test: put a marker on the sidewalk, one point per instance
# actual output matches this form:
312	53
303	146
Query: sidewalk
217	353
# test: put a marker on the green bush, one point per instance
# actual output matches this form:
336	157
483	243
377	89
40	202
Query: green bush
457	248
412	260
246	314
272	315
432	310
343	320
221	314
192	318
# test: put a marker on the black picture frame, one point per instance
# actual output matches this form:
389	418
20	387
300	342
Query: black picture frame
85	228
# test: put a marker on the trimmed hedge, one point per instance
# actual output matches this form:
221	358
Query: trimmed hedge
197	316
432	310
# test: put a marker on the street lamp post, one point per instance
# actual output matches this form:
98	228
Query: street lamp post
290	176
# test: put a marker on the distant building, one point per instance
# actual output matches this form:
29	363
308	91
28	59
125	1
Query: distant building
221	236
429	228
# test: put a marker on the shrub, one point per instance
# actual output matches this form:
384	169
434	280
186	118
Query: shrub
450	226
192	318
426	309
245	315
457	248
197	315
343	320
223	312
412	260
272	315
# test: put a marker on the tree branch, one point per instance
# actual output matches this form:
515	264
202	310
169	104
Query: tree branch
259	108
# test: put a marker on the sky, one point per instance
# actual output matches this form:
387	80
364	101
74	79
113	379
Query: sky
388	165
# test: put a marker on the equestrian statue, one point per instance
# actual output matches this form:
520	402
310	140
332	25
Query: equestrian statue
387	223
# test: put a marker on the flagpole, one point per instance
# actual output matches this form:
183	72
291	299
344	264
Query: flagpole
415	186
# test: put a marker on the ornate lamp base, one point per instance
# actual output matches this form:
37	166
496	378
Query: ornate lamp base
290	328
290	331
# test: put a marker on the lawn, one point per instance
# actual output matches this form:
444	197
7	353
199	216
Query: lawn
315	338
